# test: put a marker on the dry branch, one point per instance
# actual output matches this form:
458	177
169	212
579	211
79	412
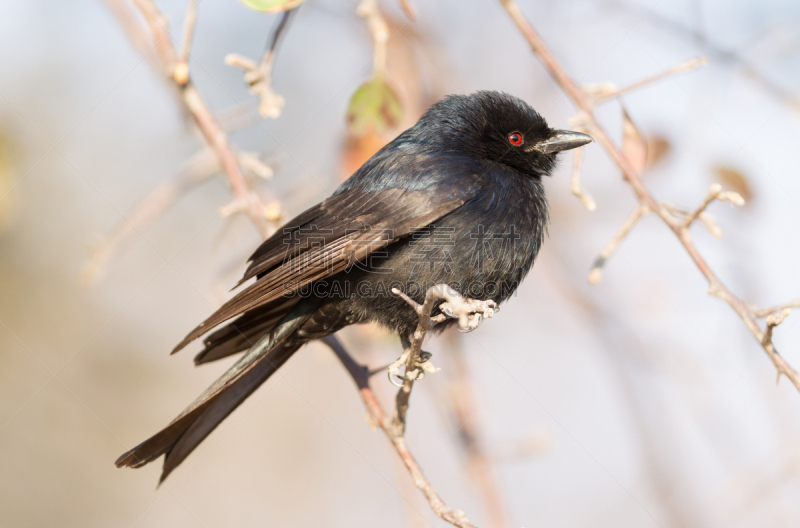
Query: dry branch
585	104
215	137
375	414
469	312
369	10
607	90
597	268
258	76
575	182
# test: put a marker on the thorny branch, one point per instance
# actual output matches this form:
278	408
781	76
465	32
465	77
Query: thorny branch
679	226
375	414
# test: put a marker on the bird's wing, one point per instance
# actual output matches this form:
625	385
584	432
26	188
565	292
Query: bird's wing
329	237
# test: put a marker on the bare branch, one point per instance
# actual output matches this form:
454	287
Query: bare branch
585	105
597	268
258	76
379	29
764	312
469	312
376	416
714	193
208	126
773	321
181	73
607	91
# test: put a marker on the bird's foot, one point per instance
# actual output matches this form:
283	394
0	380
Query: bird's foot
423	365
469	312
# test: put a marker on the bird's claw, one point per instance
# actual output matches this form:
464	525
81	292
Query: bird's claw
469	312
423	365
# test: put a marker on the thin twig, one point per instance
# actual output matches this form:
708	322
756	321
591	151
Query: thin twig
720	54
269	54
597	268
258	76
375	414
379	29
208	126
764	312
606	91
585	105
714	193
575	182
181	73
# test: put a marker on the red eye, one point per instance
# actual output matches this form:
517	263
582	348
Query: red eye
515	138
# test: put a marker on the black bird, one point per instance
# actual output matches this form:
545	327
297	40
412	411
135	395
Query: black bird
457	199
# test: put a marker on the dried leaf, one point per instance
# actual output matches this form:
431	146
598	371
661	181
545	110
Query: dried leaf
634	146
374	107
657	148
272	6
734	180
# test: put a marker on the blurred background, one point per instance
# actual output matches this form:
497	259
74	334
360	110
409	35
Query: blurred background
641	401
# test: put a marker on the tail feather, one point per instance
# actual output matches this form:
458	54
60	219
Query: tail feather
242	333
182	436
224	405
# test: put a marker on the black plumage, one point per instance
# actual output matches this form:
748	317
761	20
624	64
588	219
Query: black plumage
457	199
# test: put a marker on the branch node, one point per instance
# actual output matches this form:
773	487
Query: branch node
259	81
774	320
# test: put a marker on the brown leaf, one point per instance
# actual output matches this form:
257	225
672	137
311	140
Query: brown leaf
657	148
734	180
634	146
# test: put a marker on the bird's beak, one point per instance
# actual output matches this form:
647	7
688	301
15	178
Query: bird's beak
561	140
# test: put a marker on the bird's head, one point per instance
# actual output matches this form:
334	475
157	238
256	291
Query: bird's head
498	127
